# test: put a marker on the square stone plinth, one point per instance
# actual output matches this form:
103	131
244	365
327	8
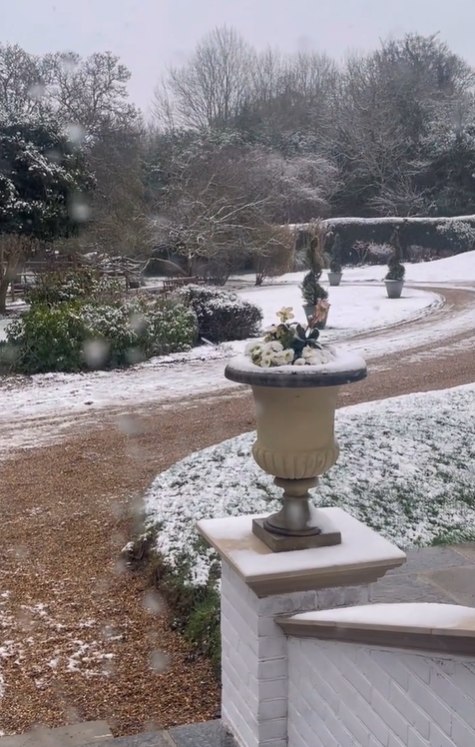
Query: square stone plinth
362	557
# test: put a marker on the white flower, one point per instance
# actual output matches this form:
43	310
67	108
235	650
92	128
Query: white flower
253	348
308	352
299	362
275	346
289	355
266	360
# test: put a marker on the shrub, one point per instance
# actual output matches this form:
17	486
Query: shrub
52	288
74	336
47	339
458	233
221	315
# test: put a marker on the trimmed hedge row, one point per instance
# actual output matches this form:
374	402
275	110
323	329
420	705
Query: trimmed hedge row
442	236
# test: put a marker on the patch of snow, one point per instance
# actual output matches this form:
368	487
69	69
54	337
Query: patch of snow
352	309
426	615
406	469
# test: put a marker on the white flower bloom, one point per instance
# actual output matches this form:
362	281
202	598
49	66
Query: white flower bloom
275	346
289	355
265	363
253	348
299	362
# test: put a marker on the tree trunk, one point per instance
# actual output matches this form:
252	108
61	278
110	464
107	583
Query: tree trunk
9	260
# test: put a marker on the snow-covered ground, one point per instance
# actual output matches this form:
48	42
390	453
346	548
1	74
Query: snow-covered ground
41	408
451	270
406	468
352	309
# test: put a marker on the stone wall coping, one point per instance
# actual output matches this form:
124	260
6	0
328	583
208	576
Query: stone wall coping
362	557
448	628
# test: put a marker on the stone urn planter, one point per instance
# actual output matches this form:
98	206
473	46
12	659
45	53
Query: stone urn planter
295	414
334	278
394	288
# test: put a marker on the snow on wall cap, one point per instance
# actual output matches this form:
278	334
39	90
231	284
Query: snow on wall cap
344	369
446	628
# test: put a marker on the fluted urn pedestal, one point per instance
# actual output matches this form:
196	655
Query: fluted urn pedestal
295	416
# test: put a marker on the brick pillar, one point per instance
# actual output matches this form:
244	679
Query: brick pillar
257	586
254	655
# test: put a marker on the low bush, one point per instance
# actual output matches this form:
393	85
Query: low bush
78	336
221	315
53	288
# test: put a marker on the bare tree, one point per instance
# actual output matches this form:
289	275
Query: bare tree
224	201
212	87
90	92
23	81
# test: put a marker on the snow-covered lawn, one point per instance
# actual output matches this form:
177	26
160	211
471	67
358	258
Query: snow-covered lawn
352	309
406	468
457	269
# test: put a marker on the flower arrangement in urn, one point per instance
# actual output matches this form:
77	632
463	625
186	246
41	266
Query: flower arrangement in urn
289	343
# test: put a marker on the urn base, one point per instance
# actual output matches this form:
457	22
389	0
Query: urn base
288	543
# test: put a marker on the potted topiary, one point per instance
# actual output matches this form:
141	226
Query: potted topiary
394	278
334	276
315	300
315	297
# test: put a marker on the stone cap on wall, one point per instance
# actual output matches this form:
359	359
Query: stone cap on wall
448	628
362	557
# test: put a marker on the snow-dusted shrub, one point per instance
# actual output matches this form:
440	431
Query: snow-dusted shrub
458	232
77	336
221	315
47	338
57	287
416	253
379	253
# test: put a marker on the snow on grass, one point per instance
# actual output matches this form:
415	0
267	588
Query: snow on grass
39	409
352	309
457	269
406	469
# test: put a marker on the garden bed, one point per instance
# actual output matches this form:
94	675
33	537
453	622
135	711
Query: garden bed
406	469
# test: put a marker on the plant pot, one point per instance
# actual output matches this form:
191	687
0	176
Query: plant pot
334	278
394	288
309	310
295	415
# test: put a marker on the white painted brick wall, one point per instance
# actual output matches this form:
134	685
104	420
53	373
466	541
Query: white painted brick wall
349	695
254	656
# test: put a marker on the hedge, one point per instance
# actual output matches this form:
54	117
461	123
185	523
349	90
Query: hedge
442	236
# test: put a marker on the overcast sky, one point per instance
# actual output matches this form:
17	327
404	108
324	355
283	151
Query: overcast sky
148	35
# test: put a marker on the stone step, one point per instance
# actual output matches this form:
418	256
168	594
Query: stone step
207	734
76	735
